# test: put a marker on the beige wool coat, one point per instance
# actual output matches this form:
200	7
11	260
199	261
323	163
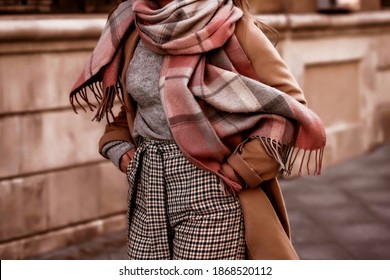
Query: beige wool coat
267	230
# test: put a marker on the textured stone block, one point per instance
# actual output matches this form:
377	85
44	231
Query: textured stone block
57	239
382	120
84	194
11	251
34	200
302	6
35	204
60	139
382	50
115	224
11	207
22	207
370	5
383	86
345	142
11	146
47	141
333	91
113	190
40	244
64	200
38	81
86	232
62	238
264	6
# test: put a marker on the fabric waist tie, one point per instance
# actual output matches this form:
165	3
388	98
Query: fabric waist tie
178	211
161	233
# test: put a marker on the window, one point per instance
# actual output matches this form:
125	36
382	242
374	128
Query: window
56	6
385	3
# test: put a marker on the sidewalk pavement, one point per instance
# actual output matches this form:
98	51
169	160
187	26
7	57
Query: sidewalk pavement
344	214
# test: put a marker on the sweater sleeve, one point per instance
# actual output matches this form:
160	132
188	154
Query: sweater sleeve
115	150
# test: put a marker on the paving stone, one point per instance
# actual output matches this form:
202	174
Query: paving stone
310	235
370	251
342	215
119	254
373	197
113	245
298	218
382	212
324	251
361	233
357	183
322	199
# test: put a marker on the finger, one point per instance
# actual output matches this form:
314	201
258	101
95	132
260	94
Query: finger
124	162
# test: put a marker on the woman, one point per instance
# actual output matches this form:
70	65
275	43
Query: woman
210	116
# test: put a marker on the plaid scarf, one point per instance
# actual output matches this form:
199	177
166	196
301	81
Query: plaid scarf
210	92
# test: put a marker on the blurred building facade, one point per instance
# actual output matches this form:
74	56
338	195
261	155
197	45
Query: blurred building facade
56	6
55	190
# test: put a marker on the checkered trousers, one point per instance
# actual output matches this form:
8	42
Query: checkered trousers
178	211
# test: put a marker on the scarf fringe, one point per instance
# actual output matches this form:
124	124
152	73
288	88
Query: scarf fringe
97	91
286	156
104	98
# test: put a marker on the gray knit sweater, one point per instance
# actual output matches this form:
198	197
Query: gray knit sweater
142	83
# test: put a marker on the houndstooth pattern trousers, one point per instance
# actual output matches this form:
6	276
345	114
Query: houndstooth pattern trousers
178	211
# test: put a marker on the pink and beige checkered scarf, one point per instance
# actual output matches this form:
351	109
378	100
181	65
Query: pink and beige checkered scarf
210	92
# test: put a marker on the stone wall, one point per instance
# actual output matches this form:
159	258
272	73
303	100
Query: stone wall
301	6
343	65
55	190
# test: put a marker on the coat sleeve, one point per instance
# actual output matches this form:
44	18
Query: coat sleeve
252	163
117	130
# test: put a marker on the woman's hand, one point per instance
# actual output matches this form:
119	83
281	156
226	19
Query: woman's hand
125	160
